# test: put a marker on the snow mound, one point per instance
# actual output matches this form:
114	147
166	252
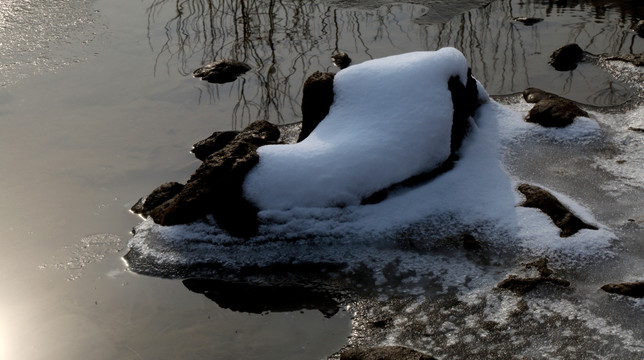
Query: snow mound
391	119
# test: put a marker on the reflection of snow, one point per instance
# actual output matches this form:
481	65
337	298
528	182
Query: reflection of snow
476	197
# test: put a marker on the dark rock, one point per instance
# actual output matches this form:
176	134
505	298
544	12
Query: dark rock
633	289
551	110
635	59
157	197
554	113
257	299
221	71
465	99
384	353
639	28
636	129
529	21
567	57
216	186
317	97
381	324
213	143
341	60
539	198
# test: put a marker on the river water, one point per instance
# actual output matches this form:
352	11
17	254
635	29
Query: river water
98	107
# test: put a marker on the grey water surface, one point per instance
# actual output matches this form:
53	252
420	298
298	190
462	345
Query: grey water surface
98	107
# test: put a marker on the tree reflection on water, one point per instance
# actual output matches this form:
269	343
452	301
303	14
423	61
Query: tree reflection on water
285	41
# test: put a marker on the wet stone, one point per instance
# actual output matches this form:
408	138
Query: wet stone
221	71
567	57
523	285
317	97
341	60
551	110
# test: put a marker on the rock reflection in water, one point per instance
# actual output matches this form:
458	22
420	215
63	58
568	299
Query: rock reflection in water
258	299
286	41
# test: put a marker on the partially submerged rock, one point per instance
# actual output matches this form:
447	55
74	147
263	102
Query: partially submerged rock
216	186
221	71
528	21
383	353
631	289
341	60
635	59
539	198
551	110
258	299
357	150
639	28
567	57
215	142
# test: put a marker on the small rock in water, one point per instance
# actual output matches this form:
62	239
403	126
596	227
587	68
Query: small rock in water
529	21
341	60
567	57
632	289
534	95
215	142
551	110
221	71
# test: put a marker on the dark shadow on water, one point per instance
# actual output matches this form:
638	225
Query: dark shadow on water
259	299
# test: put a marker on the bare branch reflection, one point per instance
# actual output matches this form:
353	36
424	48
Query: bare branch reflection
285	41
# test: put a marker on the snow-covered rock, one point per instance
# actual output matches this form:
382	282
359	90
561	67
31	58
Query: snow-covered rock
391	119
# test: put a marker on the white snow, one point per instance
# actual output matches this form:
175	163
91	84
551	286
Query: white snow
391	119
